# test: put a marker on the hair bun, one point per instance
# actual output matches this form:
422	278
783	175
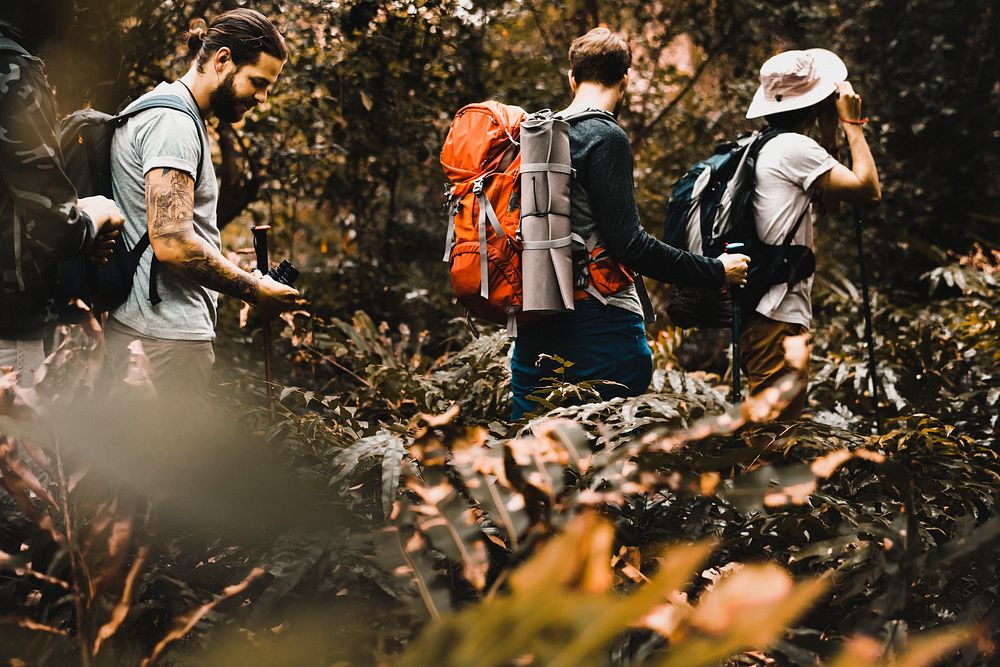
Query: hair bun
196	35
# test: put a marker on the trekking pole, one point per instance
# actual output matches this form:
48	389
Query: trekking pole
260	248
866	300
734	294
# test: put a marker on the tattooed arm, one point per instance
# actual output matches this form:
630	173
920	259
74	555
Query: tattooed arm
170	215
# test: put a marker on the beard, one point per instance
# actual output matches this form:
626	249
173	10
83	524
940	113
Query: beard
225	104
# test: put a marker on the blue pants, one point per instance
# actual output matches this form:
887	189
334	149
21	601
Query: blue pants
603	342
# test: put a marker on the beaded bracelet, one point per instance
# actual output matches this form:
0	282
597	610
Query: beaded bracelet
861	121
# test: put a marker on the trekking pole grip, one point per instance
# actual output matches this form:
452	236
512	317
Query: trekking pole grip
260	246
734	294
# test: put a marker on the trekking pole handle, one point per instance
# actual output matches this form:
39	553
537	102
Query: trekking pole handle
730	248
737	394
260	246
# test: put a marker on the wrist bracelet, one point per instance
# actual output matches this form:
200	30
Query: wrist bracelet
860	121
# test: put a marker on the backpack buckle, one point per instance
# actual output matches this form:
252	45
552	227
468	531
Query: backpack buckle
477	187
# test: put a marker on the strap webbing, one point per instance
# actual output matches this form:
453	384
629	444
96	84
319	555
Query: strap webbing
648	314
486	213
545	245
592	291
512	323
154	267
177	104
449	239
547	166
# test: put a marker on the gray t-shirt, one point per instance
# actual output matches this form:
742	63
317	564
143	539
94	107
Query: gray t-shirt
157	139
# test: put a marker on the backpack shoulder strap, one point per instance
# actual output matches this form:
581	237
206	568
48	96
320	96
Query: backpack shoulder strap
765	136
144	104
164	102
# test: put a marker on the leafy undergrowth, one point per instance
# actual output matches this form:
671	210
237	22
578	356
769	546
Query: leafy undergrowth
388	506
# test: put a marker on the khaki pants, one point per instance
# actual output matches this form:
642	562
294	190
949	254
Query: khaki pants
178	368
23	357
762	357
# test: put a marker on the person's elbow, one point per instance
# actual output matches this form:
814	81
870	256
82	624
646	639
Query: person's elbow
171	250
870	196
876	195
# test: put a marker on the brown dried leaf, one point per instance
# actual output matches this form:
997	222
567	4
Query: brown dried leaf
796	494
442	419
11	464
14	563
118	540
184	624
124	602
740	594
33	625
579	558
666	619
824	466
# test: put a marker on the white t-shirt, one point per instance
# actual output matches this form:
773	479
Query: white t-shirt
787	168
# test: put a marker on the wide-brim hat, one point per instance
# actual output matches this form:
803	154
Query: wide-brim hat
795	80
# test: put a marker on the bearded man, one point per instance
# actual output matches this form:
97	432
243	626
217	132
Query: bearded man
164	182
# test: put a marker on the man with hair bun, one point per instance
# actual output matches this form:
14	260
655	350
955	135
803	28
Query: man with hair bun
164	180
41	219
607	341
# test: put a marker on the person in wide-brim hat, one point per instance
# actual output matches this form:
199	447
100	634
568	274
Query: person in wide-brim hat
801	92
795	80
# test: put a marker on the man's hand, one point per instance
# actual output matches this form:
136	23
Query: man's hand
274	297
108	219
736	266
104	246
104	212
848	102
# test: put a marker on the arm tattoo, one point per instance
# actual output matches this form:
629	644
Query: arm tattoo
170	213
169	202
208	271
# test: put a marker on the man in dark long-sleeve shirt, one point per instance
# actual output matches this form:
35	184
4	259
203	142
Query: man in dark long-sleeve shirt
41	219
607	341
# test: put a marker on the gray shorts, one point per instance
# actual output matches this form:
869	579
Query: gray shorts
178	368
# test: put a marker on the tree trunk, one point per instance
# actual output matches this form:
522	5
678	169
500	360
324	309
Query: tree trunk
238	185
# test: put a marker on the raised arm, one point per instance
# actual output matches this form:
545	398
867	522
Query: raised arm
858	185
170	217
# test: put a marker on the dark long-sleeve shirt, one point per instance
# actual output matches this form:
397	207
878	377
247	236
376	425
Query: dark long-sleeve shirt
604	197
40	222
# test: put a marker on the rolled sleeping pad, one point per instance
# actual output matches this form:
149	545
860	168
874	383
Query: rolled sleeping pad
546	258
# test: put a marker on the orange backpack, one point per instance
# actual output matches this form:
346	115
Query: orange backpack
482	161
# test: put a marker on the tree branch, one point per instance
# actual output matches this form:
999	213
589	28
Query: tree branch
643	133
554	54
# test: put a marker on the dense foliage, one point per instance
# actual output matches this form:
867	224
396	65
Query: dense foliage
388	505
